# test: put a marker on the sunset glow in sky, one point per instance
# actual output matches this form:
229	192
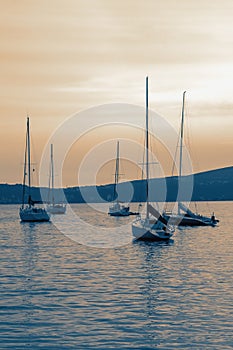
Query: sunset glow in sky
60	57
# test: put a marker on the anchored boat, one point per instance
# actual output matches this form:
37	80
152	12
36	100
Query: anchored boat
29	211
153	227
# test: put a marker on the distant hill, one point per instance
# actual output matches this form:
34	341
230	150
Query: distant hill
213	185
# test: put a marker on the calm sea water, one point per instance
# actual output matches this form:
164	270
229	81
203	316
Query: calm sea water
59	294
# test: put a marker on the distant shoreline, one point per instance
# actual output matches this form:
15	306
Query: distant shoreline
213	185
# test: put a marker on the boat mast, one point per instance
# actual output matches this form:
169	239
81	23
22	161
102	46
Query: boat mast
52	172
25	170
117	169
181	141
147	152
29	162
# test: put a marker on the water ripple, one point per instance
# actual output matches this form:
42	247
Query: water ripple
58	294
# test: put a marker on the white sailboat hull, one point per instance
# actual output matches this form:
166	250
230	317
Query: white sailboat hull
33	214
56	209
142	230
119	210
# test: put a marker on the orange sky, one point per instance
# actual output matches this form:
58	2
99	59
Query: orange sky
59	57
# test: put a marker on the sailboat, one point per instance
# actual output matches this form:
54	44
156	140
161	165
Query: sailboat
118	209
53	207
28	211
185	217
153	227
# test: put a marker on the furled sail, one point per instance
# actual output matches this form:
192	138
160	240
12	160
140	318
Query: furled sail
156	214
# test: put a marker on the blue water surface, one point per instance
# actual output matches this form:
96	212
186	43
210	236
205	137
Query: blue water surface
59	294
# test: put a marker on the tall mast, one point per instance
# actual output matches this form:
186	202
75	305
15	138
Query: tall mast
117	169
181	139
147	151
181	135
29	161
52	172
25	169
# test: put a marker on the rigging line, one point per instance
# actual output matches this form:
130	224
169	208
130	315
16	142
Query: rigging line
154	149
192	152
122	172
189	140
175	157
174	163
116	176
143	160
191	149
50	179
34	157
188	135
